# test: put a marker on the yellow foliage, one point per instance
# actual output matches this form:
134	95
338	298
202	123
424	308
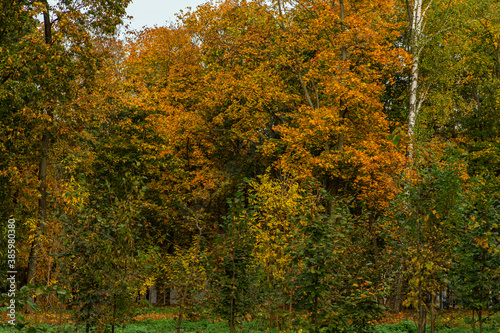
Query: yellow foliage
184	265
279	202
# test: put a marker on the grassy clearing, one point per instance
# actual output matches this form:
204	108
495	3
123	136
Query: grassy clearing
162	320
410	327
155	326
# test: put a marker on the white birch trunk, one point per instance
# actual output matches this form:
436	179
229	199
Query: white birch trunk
416	33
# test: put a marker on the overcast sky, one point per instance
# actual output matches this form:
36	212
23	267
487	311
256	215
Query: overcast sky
159	12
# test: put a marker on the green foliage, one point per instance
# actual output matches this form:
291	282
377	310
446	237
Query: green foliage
315	260
140	135
184	271
336	292
231	273
279	203
24	301
476	273
492	324
103	262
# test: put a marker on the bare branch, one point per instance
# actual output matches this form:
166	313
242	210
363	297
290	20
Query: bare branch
428	6
423	97
306	92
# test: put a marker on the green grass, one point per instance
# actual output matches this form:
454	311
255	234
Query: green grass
402	327
157	326
205	326
492	325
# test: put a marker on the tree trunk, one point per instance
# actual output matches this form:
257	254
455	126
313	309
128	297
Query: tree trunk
114	315
42	177
42	211
233	299
433	313
416	32
399	293
316	328
61	312
421	306
342	111
422	314
188	282
473	323
87	327
480	319
231	318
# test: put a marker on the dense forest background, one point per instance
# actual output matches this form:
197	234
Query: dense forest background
311	163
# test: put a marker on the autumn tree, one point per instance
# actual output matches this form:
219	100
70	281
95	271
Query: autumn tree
426	215
232	271
279	203
474	276
103	263
48	67
268	85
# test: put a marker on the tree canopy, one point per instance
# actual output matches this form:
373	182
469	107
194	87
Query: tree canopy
310	163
